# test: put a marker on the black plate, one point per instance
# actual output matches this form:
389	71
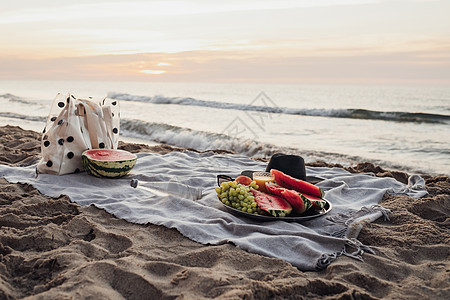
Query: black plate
291	218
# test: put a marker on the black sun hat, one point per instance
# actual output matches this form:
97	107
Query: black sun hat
289	164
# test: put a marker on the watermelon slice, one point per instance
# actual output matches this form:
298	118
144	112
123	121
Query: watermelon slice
298	199
274	189
298	185
299	202
317	203
274	205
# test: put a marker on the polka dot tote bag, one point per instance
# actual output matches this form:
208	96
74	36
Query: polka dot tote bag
73	126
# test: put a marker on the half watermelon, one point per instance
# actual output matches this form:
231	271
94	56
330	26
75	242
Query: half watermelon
274	205
108	163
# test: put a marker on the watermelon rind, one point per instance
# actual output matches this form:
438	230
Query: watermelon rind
108	168
317	203
299	202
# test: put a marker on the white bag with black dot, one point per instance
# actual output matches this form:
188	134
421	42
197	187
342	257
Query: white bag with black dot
73	126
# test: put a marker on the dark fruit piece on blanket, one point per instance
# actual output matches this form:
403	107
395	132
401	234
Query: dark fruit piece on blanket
244	180
108	162
274	205
238	196
298	185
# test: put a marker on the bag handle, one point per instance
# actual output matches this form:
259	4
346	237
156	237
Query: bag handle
96	120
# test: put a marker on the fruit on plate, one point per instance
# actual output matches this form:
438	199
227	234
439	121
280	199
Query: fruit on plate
274	189
108	162
297	200
245	180
298	185
238	196
300	202
274	205
317	203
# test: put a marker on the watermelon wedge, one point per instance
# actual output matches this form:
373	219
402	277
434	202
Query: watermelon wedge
317	203
274	205
274	189
298	202
298	185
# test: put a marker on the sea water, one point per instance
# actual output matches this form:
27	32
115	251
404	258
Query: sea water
397	127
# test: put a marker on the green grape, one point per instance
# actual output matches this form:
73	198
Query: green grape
239	196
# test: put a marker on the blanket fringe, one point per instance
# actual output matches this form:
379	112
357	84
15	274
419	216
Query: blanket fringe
327	259
352	223
359	247
350	226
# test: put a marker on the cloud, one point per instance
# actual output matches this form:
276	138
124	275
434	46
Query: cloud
431	66
36	12
153	72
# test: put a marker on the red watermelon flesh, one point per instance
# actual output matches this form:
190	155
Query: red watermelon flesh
299	202
109	155
298	185
274	189
274	205
316	202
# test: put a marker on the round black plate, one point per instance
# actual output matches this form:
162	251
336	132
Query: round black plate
291	218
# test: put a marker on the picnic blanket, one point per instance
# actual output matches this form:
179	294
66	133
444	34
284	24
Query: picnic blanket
168	188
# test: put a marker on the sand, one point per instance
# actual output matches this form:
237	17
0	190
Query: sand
55	249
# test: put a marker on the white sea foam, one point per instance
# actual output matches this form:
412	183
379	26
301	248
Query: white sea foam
317	112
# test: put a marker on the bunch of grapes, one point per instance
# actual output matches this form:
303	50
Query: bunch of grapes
239	196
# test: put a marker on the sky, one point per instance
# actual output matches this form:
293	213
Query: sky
284	41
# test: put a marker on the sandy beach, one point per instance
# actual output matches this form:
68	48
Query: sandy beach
56	249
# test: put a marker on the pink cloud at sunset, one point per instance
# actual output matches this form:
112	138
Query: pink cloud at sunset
237	41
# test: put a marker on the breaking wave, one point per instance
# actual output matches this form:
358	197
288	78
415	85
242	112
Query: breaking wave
23	117
351	113
14	98
194	139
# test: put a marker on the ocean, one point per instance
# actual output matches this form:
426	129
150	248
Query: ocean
404	128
